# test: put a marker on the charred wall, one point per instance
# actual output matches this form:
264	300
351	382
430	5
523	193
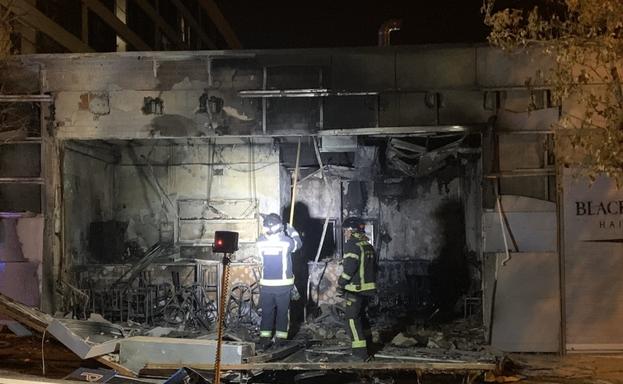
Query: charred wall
88	193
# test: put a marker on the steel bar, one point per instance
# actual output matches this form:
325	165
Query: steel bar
21	180
294	186
312	92
26	98
383	131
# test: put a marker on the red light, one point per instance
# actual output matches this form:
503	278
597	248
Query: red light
219	242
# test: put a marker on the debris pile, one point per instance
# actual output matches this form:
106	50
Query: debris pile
329	325
465	335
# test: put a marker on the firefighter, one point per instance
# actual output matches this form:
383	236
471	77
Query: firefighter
357	283
275	247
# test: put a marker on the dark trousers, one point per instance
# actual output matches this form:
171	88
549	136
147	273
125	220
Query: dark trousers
275	304
354	312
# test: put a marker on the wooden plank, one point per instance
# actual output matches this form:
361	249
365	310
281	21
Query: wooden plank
39	321
221	23
30	317
31	16
170	33
104	360
120	28
439	366
194	24
9	377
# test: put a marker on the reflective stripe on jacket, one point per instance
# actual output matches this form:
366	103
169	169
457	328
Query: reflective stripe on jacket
276	252
359	264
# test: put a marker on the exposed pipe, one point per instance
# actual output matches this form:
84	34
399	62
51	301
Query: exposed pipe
386	29
294	186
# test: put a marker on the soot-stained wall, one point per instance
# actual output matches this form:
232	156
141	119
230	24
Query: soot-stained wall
426	230
411	225
152	179
88	185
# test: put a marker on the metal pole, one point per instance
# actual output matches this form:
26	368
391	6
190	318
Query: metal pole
295	176
221	319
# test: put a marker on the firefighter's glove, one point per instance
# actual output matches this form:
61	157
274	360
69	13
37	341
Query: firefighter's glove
340	291
289	230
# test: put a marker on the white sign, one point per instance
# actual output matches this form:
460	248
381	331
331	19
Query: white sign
593	263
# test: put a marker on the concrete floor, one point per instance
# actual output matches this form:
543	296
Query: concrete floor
23	356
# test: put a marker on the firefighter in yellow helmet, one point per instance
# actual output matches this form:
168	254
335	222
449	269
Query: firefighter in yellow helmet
357	283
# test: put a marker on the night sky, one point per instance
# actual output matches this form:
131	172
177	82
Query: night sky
264	24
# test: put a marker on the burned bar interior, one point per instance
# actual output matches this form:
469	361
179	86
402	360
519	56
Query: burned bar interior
117	171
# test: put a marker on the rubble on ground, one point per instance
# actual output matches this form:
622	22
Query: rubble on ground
321	343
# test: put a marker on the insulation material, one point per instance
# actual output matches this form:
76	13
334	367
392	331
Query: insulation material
244	273
323	277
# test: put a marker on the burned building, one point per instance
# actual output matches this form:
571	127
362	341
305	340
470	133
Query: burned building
113	188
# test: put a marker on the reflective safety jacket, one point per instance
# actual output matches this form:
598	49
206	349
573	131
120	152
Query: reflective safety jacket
276	252
359	265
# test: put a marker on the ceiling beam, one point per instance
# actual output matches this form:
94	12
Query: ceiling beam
194	24
161	23
117	25
221	23
31	16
